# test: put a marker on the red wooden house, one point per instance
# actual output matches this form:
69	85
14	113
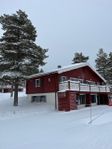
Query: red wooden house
69	88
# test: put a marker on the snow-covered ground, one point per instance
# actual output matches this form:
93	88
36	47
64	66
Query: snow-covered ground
39	126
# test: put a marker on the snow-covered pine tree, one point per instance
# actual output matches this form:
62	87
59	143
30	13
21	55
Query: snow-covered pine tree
102	63
19	54
79	57
109	68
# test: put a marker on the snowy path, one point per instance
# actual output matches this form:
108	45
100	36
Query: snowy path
34	126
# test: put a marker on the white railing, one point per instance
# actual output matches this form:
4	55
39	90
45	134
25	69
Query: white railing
84	87
109	89
94	88
103	88
76	86
63	86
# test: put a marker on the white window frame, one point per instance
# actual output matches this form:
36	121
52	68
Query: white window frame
37	82
63	78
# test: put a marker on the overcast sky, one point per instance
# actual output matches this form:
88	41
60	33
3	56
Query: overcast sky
67	26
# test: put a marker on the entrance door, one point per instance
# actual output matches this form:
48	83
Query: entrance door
94	99
103	99
81	100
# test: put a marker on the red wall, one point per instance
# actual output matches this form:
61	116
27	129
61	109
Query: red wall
67	101
82	73
51	86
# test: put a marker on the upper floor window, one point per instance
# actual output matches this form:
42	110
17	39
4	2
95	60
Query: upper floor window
90	82
63	78
37	82
76	79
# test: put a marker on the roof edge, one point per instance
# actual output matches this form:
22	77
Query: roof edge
67	68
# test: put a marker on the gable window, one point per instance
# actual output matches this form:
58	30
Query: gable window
37	82
63	78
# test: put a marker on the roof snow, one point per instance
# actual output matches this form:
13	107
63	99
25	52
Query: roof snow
67	68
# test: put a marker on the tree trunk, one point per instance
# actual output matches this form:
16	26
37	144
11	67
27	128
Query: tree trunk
11	94
16	93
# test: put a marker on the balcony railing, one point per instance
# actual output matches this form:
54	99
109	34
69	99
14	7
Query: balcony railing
77	86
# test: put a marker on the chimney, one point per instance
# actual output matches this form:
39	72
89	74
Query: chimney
59	66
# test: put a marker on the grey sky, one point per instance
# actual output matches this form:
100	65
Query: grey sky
67	26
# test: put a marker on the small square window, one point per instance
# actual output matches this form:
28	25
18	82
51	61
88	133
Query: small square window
63	78
37	83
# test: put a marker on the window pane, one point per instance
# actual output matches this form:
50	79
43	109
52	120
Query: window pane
37	83
63	78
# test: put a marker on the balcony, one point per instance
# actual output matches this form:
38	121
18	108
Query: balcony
81	87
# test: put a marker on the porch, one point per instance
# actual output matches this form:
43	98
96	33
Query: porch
71	100
74	95
83	87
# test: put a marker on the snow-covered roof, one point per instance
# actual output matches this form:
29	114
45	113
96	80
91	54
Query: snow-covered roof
67	68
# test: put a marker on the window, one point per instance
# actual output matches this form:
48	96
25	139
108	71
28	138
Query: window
91	82
37	83
76	79
93	98
39	99
49	79
63	78
82	99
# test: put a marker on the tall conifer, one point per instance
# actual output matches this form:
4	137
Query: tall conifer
102	63
19	54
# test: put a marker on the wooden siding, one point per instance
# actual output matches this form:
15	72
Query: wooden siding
82	73
49	83
67	101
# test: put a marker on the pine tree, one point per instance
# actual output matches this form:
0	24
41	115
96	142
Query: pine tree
102	63
109	68
19	54
79	57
